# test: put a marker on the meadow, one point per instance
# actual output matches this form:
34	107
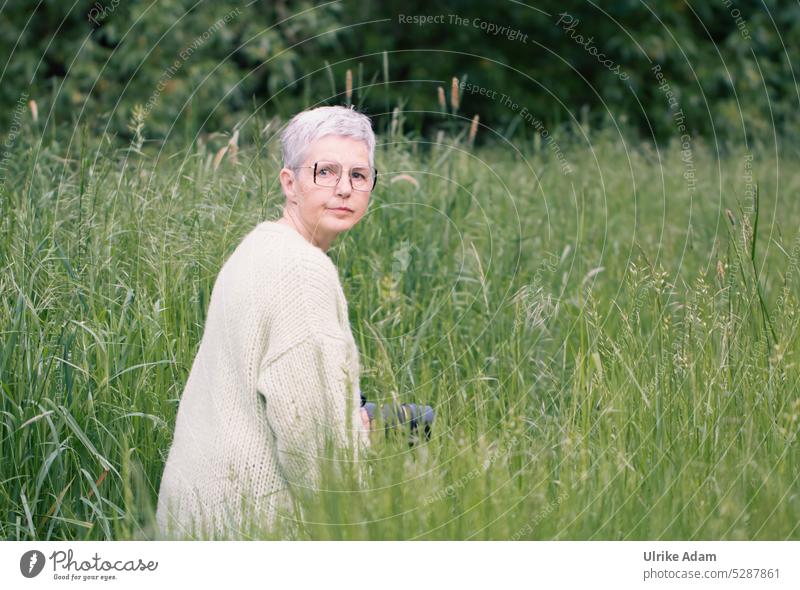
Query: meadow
611	347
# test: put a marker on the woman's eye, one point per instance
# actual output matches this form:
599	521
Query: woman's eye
358	175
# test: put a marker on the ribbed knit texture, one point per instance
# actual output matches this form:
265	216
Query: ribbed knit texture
269	382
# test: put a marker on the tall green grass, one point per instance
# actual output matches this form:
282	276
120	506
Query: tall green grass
610	355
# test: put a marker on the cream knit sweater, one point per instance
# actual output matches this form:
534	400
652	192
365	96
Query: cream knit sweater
268	384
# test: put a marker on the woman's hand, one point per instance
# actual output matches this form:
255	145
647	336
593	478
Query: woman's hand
365	419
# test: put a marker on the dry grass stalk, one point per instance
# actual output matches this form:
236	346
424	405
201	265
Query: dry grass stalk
233	146
473	128
218	158
405	178
454	98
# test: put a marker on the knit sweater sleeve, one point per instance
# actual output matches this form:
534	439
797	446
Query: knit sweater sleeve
309	392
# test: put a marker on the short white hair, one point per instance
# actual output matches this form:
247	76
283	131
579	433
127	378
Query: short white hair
308	126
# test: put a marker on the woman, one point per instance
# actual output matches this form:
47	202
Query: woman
276	373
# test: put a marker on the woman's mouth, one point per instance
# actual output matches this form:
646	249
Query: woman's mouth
341	209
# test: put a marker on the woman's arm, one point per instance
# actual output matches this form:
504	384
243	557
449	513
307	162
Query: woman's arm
311	397
306	393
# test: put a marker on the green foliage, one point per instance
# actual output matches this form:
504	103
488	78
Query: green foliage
728	63
732	71
191	64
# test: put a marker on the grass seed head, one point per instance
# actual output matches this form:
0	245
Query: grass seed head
454	98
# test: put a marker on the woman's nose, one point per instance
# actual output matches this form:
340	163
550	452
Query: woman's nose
344	187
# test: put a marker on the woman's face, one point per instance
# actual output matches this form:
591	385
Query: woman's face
314	207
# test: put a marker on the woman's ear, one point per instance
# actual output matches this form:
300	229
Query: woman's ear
288	185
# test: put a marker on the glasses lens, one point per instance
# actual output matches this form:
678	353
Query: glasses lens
361	178
327	173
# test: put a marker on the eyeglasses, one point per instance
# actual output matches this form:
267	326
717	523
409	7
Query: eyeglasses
362	178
